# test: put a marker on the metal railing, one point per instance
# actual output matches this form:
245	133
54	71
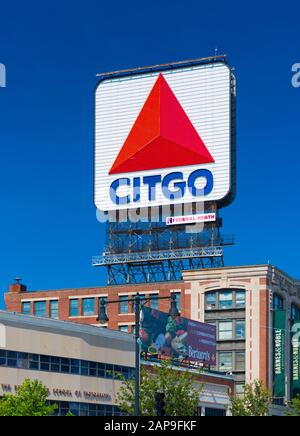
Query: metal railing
152	256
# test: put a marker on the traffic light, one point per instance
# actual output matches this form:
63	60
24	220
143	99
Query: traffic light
160	404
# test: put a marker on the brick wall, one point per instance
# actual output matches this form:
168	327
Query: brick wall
15	297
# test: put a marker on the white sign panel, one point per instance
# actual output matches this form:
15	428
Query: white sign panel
191	219
163	137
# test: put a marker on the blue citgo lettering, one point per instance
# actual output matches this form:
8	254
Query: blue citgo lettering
176	193
113	191
206	174
151	181
136	189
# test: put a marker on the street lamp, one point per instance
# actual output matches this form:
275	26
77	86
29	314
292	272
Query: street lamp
136	300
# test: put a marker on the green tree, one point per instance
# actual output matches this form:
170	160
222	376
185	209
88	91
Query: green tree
254	402
181	395
30	399
294	407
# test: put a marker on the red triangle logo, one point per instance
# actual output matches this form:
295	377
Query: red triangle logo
162	136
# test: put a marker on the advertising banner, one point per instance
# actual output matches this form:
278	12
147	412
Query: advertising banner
295	373
178	338
279	355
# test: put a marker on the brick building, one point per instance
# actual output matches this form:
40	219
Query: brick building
241	301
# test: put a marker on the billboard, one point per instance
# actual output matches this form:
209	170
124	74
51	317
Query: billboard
279	354
163	137
178	338
295	361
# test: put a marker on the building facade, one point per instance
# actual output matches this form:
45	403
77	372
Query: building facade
243	302
79	365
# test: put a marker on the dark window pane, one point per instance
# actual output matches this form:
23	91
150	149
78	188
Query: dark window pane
23	361
65	365
3	355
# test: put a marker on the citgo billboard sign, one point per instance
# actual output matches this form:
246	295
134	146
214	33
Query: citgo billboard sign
163	137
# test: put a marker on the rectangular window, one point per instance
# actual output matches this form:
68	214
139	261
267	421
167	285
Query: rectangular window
240	299
240	361
88	306
123	304
225	330
277	302
40	309
225	361
123	328
154	301
240	329
54	309
26	308
74	307
295	313
225	300
239	390
210	300
3	355
45	363
178	300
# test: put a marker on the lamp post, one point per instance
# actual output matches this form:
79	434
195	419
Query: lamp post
136	300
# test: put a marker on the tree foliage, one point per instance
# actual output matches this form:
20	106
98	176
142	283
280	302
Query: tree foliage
254	402
294	407
30	399
181	395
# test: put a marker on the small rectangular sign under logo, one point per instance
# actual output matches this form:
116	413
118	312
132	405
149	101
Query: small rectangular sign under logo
191	219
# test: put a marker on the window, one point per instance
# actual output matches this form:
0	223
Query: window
277	302
154	301
123	328
225	361
209	411
225	300
74	307
178	300
123	304
26	308
225	330
40	309
240	299
39	362
240	361
240	329
239	390
88	306
295	313
54	309
210	300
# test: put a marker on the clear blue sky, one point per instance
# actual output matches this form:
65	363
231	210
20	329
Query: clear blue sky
52	51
